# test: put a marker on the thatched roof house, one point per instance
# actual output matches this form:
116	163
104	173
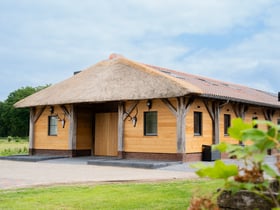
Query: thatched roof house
120	107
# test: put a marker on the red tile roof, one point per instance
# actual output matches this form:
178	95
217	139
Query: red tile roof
224	90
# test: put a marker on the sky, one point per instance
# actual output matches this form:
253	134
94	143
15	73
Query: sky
44	42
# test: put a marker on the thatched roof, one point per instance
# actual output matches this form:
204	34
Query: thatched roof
118	79
114	79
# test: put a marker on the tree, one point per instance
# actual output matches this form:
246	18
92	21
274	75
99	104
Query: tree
15	122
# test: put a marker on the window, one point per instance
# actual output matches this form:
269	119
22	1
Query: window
52	126
197	123
226	123
278	121
150	123
255	118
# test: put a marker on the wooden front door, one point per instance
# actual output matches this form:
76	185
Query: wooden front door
106	134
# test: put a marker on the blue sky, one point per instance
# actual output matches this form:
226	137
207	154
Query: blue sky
44	42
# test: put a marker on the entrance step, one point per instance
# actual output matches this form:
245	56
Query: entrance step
147	164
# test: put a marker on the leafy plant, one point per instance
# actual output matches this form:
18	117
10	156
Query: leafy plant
252	145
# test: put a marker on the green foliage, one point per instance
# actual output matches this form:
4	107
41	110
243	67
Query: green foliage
219	171
15	122
251	148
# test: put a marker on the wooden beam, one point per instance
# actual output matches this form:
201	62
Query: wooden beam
169	106
72	141
209	107
183	105
38	114
64	109
120	126
130	109
239	110
216	134
268	114
31	128
213	108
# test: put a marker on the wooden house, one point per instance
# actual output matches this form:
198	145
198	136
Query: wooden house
120	107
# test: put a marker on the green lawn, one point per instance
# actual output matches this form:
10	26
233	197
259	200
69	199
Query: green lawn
164	195
13	146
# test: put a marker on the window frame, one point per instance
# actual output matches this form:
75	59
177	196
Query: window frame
227	123
255	118
197	123
154	125
52	127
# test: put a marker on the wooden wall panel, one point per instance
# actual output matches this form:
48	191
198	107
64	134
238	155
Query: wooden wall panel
255	112
164	142
84	129
276	117
226	109
194	143
106	134
41	138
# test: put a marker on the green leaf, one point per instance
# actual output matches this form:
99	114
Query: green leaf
222	147
258	158
269	171
235	131
253	134
271	132
198	165
218	171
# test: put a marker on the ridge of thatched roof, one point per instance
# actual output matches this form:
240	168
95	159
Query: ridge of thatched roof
115	79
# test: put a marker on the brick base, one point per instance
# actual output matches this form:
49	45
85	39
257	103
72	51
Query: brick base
160	156
69	153
122	155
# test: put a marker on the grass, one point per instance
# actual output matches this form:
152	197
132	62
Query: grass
164	195
13	146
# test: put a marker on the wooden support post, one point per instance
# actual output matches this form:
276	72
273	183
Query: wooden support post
180	112
181	124
213	108
120	127
216	135
34	116
239	110
72	141
31	129
268	114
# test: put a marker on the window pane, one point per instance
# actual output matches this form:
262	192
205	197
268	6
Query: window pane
226	123
52	126
150	123
197	121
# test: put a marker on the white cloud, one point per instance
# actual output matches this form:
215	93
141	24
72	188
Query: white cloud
48	40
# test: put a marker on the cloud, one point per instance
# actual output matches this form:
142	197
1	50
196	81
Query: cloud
46	41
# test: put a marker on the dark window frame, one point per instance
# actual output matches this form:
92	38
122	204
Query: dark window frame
151	123
227	123
197	123
255	118
52	126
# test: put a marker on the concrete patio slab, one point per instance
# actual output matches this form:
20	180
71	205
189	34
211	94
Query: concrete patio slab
21	174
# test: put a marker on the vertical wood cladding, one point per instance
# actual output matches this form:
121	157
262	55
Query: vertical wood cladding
41	138
84	128
135	141
163	142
